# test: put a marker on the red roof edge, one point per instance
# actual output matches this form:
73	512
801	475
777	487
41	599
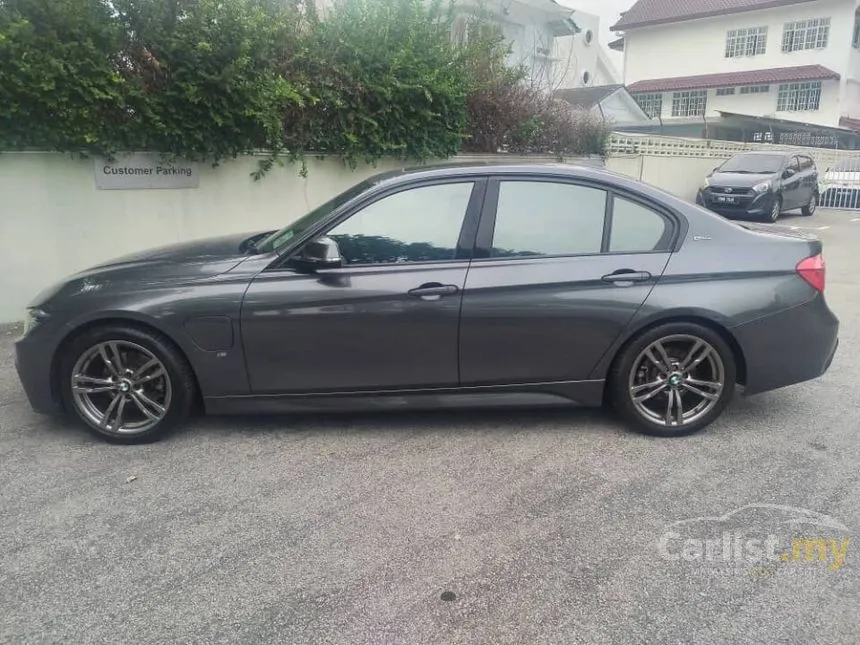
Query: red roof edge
849	123
636	24
735	79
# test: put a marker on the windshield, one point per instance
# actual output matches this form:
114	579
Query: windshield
754	164
279	239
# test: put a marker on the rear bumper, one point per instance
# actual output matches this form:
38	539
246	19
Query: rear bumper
790	347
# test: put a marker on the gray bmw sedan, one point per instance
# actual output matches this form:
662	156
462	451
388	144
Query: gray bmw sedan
466	285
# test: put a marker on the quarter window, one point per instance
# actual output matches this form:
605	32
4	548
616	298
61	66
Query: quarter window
798	97
746	42
806	34
415	225
636	228
536	218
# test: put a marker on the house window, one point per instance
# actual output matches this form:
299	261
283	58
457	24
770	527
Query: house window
755	89
806	34
746	42
691	103
651	104
725	91
798	97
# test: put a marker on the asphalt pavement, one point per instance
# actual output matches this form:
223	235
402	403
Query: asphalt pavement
537	527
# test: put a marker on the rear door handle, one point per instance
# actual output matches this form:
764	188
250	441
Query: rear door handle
627	275
433	291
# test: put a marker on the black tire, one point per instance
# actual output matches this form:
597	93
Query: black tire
177	379
775	212
811	207
619	387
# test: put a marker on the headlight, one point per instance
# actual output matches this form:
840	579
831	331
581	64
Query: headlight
763	187
33	319
706	183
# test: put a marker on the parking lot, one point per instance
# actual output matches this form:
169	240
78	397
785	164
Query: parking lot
543	526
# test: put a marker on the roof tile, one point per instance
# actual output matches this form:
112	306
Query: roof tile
731	79
657	12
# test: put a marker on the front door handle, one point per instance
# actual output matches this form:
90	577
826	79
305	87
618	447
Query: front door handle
433	291
627	275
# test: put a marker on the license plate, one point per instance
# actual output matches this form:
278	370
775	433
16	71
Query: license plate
726	200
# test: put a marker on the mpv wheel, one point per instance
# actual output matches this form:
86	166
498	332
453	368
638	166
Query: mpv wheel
809	209
125	384
776	210
673	380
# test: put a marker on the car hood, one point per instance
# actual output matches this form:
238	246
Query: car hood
738	179
225	247
185	262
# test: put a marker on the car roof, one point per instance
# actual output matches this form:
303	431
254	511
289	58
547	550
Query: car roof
583	170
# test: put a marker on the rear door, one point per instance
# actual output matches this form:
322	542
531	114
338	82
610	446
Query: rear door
561	267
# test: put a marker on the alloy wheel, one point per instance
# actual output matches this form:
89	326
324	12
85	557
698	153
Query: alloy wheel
774	212
121	387
676	380
813	203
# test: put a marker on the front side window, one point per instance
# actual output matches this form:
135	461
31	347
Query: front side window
636	228
746	42
539	218
799	97
415	225
693	103
806	34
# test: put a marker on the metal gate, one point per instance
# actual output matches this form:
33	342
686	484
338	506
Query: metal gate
840	185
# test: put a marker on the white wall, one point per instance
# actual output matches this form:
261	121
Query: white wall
620	108
54	222
575	56
697	47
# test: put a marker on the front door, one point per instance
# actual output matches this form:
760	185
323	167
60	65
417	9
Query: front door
387	319
568	266
792	188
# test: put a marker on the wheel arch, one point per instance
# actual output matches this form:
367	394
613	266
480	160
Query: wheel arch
111	320
694	318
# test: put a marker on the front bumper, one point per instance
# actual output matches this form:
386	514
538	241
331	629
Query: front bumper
742	206
789	347
33	362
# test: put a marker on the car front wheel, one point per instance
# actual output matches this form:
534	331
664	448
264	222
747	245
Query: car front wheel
775	210
673	380
127	385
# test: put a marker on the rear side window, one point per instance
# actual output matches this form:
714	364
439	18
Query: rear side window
637	228
538	218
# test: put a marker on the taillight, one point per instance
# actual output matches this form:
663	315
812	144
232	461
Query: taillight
812	270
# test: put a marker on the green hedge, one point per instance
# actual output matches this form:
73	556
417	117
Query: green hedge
212	79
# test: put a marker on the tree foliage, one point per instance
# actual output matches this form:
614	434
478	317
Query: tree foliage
213	79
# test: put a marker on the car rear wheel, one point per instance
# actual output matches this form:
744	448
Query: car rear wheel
673	380
126	385
809	209
775	210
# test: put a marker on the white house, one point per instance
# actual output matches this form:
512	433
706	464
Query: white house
581	59
795	60
532	28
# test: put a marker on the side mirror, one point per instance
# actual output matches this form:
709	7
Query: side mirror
321	253
788	173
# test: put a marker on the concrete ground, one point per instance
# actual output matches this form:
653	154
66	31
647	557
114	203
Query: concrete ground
545	526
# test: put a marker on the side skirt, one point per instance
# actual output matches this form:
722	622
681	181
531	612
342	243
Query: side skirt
564	393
